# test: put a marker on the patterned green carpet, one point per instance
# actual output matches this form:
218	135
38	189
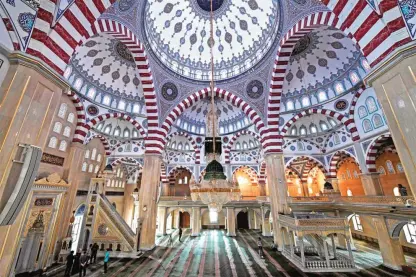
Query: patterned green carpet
214	254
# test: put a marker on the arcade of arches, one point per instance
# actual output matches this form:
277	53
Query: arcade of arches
103	123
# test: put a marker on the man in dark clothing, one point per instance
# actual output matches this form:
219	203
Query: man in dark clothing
402	190
75	267
69	263
94	251
83	264
180	234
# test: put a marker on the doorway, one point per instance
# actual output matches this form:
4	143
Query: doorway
184	220
242	220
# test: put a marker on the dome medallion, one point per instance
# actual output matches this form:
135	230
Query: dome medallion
178	33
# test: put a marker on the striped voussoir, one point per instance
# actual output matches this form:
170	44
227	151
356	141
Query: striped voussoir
227	149
224	94
175	170
125	160
79	107
251	172
262	177
372	151
163	176
375	35
311	162
335	159
121	143
348	122
103	140
354	101
191	140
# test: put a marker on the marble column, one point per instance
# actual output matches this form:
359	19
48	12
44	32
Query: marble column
391	249
266	230
196	221
394	82
276	181
147	201
262	189
162	218
231	222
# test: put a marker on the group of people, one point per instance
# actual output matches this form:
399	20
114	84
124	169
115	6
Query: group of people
78	263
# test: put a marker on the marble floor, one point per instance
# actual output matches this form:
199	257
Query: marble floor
215	254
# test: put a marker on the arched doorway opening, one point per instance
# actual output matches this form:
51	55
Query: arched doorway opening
242	220
77	226
184	220
179	180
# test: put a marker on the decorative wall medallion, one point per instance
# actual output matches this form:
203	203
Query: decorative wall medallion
408	10
302	44
169	91
319	140
103	229
123	52
43	201
309	147
293	148
341	105
225	139
92	110
255	89
281	121
26	21
125	5
52	159
198	140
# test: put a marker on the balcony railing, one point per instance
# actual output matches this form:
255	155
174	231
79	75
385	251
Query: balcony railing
373	200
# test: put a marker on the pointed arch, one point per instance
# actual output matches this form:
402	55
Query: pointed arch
373	149
103	140
227	149
191	140
336	158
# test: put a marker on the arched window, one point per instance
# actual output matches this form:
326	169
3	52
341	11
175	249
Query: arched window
78	84
122	105
71	118
136	108
251	144
106	100
87	154
187	146
390	167
381	170
99	126
117	132
57	127
202	130
367	125
294	131
118	172
90	168
126	133
107	129
239	125
301	147
357	223
53	142
185	125
339	88
62	110
306	101
84	167
362	112
193	129
245	145
322	96
371	104
332	122
222	131
178	122
135	134
400	168
410	232
67	72
237	146
99	157
63	145
354	77
323	125
91	93
93	153
365	65
231	128
97	167
128	147
67	131
313	129
246	121
185	180
303	130
180	146
173	145
336	139
377	121
290	105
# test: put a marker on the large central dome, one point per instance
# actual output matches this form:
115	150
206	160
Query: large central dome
179	35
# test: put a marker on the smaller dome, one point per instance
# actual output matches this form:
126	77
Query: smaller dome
214	170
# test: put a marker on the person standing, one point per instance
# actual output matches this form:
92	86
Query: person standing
75	267
402	190
180	234
94	251
260	245
83	264
69	262
106	259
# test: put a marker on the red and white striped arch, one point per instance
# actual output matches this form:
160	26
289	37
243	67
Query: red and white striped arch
227	96
262	175
137	143
126	160
78	23
375	35
176	169
354	101
191	140
79	107
311	162
227	149
81	132
163	176
348	122
335	159
372	151
103	140
250	171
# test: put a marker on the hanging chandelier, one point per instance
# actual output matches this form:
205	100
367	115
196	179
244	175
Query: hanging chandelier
214	190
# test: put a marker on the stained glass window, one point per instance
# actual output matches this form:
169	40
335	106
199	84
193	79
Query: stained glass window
63	145
93	153
67	72
84	167
122	105
323	125
57	127
78	84
390	167
400	168
313	129
377	121
332	122
107	129
62	110
71	118
371	104
53	142
238	146
126	133
99	158
306	101
97	167
339	88
90	168
322	96
294	131
187	146
381	170
354	78
362	112
366	65
106	100
303	130
117	132
367	125
135	134
290	106
91	93
410	232
67	131
180	146
245	145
